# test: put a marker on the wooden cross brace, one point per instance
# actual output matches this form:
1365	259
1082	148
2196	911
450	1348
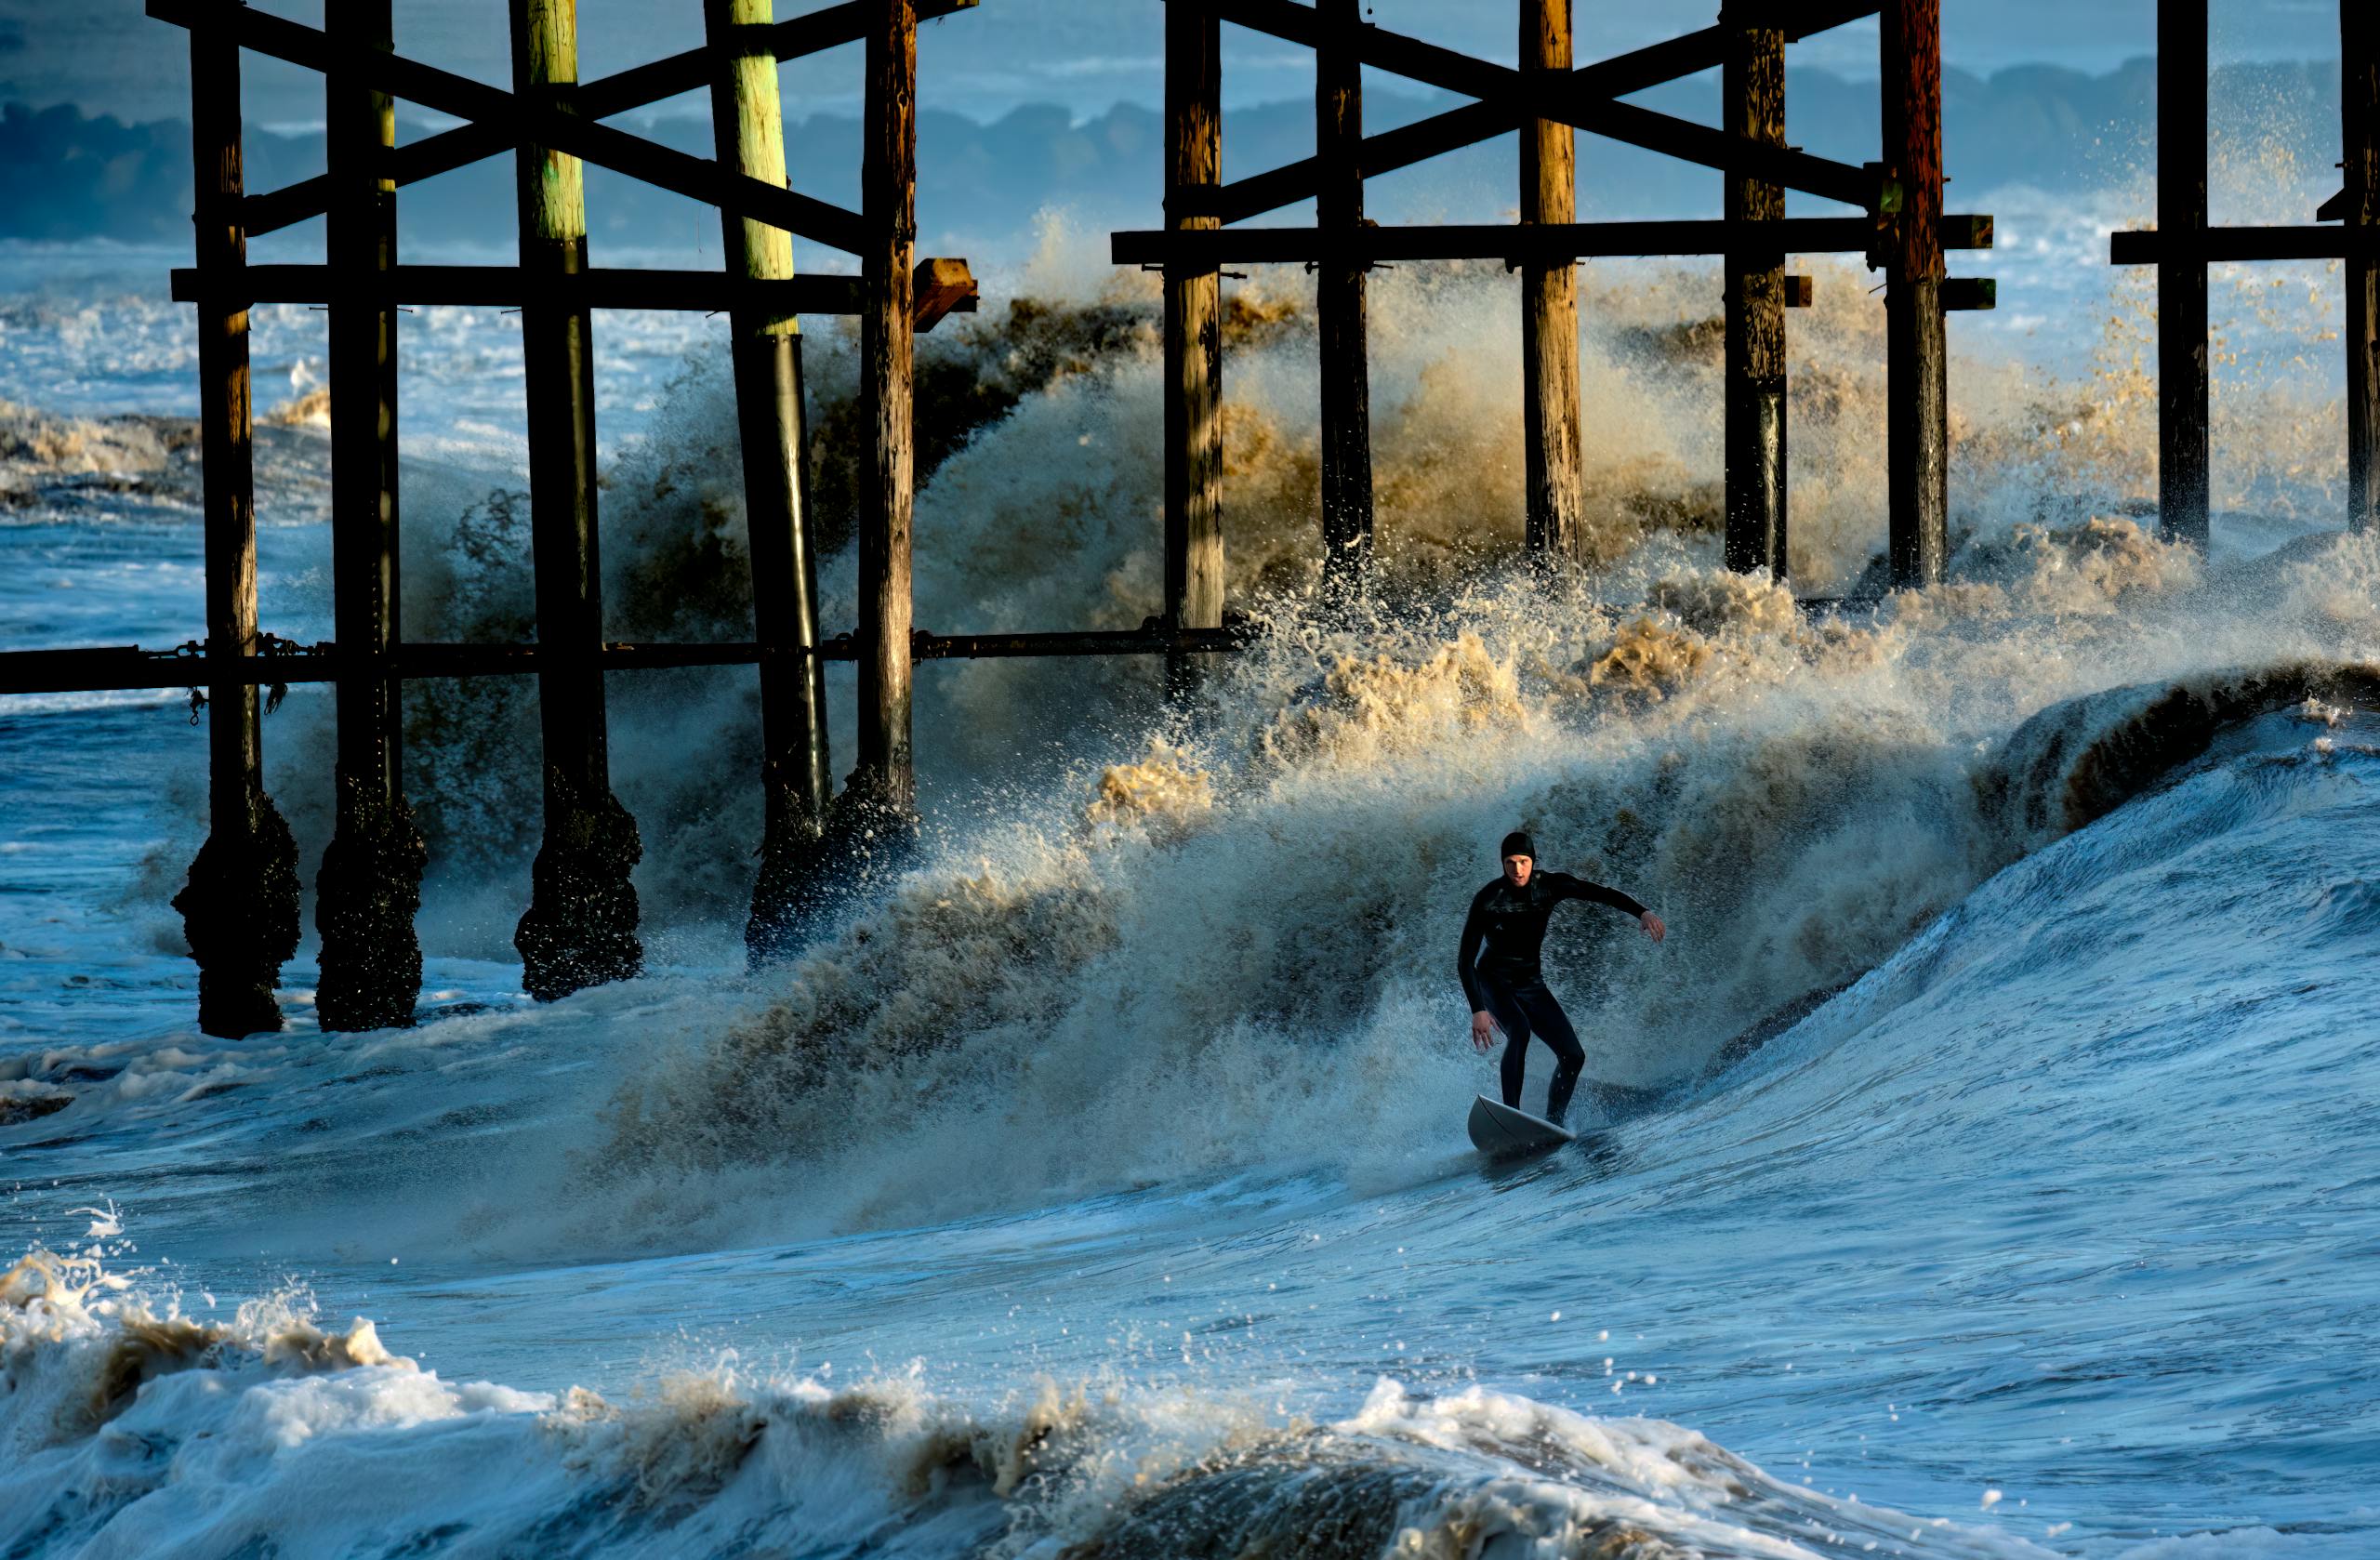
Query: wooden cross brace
1472	123
525	123
600	99
1585	104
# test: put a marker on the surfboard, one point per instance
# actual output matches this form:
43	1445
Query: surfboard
1496	1128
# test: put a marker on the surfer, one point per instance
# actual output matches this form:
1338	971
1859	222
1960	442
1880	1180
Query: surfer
1506	989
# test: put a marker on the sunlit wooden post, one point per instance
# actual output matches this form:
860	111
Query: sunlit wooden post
1340	305
370	883
1193	431
1752	94
1550	434
240	906
886	781
748	125
1916	349
581	926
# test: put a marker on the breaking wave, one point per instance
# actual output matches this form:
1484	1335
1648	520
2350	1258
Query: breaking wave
138	1431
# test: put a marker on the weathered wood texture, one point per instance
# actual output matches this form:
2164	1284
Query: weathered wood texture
1550	434
885	780
2359	134
369	886
1753	101
1339	306
1918	432
580	928
240	906
1193	332
2183	466
797	779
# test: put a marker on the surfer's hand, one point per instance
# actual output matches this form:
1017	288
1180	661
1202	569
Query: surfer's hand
1483	1032
1653	927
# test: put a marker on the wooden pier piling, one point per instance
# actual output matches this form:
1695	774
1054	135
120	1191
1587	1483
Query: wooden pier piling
1340	306
1753	92
747	123
1916	348
369	886
240	906
1552	458
885	784
1193	332
580	928
2360	137
2183	466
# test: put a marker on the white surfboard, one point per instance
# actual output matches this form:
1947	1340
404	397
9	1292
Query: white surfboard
1496	1128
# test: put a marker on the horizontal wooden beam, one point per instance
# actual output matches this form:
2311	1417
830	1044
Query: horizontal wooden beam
1960	294
696	177
945	287
600	98
1524	96
2148	246
1206	248
1473	123
128	667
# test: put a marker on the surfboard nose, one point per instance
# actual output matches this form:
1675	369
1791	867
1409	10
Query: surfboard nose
1496	1128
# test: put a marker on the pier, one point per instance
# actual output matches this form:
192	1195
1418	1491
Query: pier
581	926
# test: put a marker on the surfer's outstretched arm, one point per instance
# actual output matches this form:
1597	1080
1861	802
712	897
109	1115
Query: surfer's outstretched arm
1565	886
1474	930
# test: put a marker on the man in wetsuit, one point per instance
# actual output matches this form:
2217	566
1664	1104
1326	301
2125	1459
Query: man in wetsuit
1506	989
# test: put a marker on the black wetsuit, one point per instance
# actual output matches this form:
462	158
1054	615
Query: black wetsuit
1506	982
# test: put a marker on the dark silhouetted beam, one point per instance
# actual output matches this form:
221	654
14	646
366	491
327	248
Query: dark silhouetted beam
1795	235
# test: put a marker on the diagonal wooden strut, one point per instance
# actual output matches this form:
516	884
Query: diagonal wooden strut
1473	123
600	98
696	177
1561	102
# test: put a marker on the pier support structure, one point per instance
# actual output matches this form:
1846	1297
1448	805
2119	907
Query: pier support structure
1192	333
580	928
369	886
797	782
2183	465
884	787
2360	137
240	906
1752	91
1552	462
1340	306
1916	348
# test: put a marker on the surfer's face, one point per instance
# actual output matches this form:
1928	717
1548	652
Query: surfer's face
1516	871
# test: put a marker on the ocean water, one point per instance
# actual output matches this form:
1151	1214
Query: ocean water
1982	1168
